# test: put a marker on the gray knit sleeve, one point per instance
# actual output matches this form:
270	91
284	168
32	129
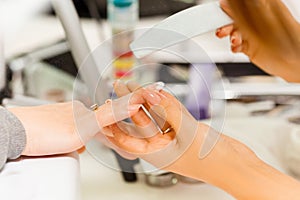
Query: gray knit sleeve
12	136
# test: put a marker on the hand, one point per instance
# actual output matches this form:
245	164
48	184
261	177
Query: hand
65	127
160	150
266	31
229	164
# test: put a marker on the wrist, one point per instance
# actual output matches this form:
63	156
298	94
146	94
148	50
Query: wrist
226	165
189	163
233	167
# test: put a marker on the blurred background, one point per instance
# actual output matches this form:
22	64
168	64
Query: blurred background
44	43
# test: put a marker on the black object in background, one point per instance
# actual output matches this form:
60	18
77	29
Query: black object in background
6	91
64	62
240	69
148	8
162	7
127	167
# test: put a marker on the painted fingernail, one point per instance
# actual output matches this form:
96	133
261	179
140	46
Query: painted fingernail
159	85
218	31
156	86
152	97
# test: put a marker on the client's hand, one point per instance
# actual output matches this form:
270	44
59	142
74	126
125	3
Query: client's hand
65	127
266	31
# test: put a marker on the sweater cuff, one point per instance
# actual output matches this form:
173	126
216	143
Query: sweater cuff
13	136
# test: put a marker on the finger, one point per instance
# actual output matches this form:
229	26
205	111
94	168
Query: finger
167	107
117	110
128	143
120	88
133	86
104	140
137	146
163	125
252	16
236	38
225	6
237	49
140	119
224	31
131	129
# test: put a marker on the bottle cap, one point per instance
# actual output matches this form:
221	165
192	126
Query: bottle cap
122	3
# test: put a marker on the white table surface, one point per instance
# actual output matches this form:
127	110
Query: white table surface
266	136
61	178
41	178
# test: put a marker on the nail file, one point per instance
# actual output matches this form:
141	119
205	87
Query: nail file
152	119
180	27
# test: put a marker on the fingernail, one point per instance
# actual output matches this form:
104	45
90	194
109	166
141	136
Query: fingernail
117	82
107	132
156	86
233	40
134	107
218	31
152	97
159	85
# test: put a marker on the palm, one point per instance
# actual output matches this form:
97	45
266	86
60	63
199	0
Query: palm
136	145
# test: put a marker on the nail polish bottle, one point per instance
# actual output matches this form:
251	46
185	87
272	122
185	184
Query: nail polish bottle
122	17
200	82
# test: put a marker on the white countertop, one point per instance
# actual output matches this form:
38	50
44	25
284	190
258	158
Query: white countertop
100	182
47	178
61	178
266	136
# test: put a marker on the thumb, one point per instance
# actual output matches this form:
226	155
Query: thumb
226	7
173	112
165	106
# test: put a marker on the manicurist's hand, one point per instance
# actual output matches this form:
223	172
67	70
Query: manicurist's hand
266	31
65	127
228	164
162	150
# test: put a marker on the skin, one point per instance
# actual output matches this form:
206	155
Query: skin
230	165
266	31
51	129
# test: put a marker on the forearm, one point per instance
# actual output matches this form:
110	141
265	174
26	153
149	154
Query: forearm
236	169
245	176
